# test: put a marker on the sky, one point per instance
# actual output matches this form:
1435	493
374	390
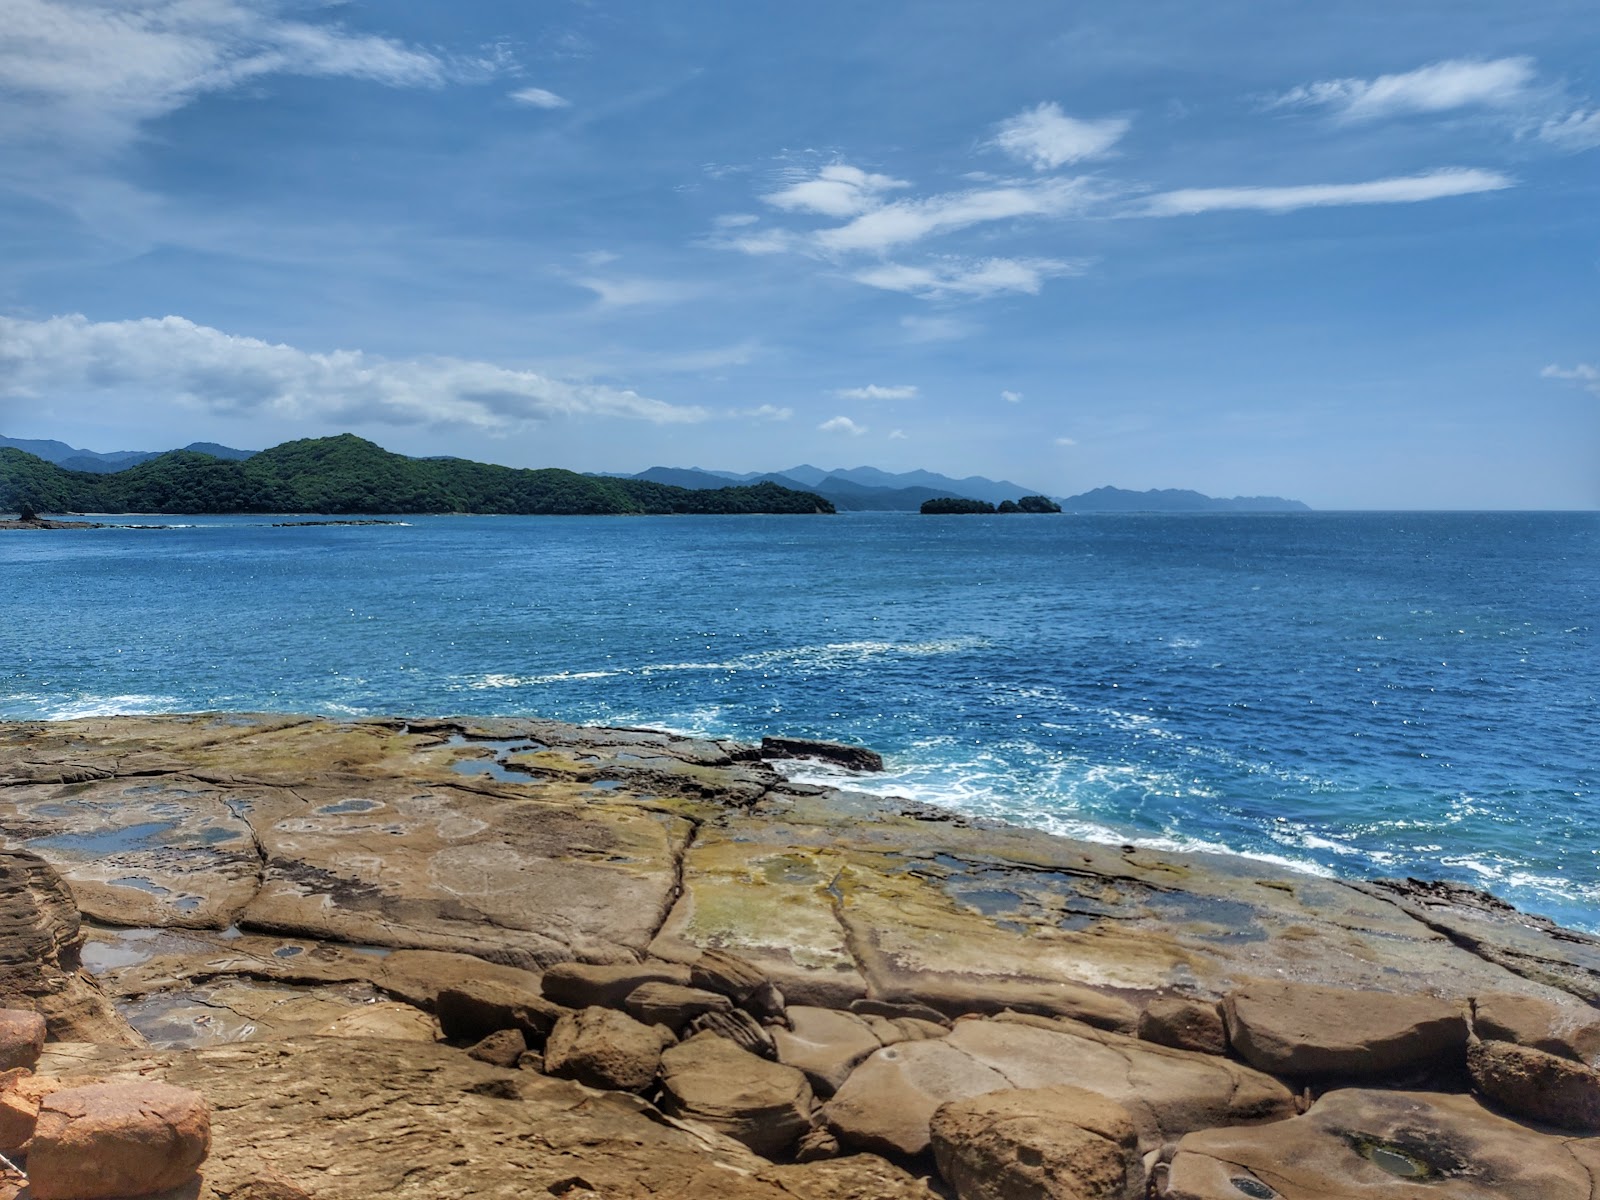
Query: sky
1344	253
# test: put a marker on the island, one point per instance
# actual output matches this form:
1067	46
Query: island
347	474
432	957
961	506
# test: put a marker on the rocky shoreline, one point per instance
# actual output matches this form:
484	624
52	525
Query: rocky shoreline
517	957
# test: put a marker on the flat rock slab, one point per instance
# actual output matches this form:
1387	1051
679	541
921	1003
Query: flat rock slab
888	1102
1355	1144
353	1120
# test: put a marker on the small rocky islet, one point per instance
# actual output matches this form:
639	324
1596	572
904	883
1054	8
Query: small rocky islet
509	958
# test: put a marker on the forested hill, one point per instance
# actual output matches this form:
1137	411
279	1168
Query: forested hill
347	474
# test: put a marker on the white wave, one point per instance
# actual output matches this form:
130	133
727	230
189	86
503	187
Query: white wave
106	706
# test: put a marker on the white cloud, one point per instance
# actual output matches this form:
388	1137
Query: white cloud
937	329
838	190
1583	374
539	98
736	220
763	412
1578	130
629	293
980	278
758	243
1066	441
1406	189
1438	87
897	435
842	425
873	391
1045	137
91	73
221	373
907	221
1011	397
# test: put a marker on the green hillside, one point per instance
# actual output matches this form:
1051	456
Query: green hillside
346	474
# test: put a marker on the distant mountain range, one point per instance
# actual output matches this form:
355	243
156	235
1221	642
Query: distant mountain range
70	458
1110	499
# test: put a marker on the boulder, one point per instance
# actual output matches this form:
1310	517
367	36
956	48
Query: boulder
473	1010
826	1045
671	1004
1060	1143
888	1101
765	1105
604	1048
738	1027
19	1108
1184	1024
22	1033
1381	1144
1303	1030
855	758
502	1049
1569	1030
117	1140
1536	1086
582	985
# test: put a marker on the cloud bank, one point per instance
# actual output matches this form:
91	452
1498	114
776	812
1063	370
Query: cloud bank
225	374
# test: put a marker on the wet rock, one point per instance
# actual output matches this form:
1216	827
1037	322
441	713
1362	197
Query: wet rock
117	1140
580	985
1303	1030
1569	1030
854	758
1536	1086
22	1033
888	1101
502	1049
765	1105
604	1048
1059	1143
738	1027
472	1011
1184	1024
1393	1145
672	1005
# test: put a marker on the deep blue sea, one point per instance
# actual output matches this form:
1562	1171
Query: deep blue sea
1357	694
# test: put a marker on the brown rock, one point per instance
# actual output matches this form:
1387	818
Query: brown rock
22	1033
869	1007
386	1019
1536	1085
738	1027
962	996
117	1140
502	1049
735	977
13	1184
1184	1024
472	1011
1060	1143
605	1049
888	1101
581	985
19	1109
671	1004
825	1045
1303	1030
1387	1146
1569	1030
765	1105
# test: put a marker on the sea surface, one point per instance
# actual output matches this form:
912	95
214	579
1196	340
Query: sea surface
1351	694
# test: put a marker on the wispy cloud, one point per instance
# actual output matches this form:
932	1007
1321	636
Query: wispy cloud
1406	189
897	435
92	73
540	98
1045	138
979	278
937	329
1578	130
1066	441
1584	375
1011	397
763	412
873	391
1438	87
837	190
842	425
630	293
906	221
226	374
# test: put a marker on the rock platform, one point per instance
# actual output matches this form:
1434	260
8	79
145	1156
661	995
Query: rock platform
783	990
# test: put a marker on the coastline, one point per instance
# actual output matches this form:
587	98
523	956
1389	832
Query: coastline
250	884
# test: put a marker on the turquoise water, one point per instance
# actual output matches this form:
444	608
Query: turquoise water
1358	694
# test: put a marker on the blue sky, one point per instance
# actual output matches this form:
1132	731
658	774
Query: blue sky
1345	253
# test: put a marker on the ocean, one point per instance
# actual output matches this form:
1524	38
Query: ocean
1354	694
